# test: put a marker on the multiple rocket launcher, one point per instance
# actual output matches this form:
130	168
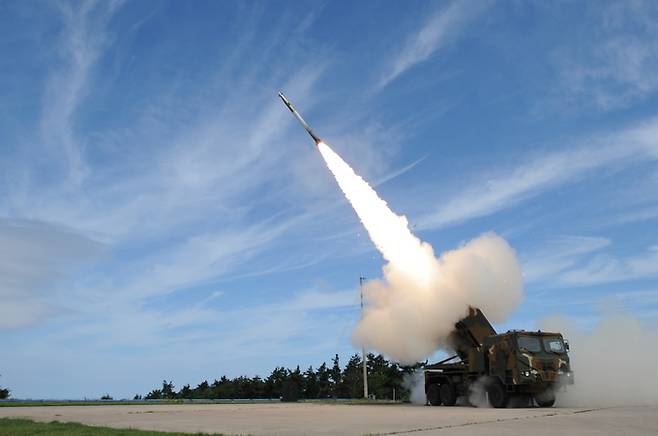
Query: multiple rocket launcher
491	357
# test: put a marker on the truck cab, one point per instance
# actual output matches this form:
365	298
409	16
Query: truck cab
530	363
532	359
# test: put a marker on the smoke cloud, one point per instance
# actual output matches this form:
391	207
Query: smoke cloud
415	383
412	310
614	364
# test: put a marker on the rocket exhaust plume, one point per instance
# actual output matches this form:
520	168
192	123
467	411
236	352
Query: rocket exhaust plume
413	309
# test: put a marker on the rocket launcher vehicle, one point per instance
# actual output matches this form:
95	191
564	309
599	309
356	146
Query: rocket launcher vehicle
518	365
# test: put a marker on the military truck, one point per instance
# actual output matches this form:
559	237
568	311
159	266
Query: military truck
518	365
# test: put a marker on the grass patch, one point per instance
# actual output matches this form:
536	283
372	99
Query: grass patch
24	427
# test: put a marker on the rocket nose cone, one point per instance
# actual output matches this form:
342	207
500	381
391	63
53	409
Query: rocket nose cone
283	97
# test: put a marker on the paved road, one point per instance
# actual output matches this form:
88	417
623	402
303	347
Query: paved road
329	419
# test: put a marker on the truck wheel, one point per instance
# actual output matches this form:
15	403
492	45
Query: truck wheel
447	394
546	398
433	395
497	395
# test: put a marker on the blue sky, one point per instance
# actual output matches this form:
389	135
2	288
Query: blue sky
162	215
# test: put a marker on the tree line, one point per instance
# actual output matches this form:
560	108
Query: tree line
385	380
4	393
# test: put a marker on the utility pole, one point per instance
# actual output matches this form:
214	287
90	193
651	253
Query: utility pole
363	349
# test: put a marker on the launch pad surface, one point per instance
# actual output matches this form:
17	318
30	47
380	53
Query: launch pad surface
334	419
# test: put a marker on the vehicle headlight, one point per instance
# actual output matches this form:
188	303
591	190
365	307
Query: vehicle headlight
526	373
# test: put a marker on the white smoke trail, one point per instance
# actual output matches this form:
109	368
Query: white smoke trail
411	312
389	232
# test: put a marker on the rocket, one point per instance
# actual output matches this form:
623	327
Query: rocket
299	118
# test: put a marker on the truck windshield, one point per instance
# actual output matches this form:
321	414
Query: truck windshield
529	343
554	345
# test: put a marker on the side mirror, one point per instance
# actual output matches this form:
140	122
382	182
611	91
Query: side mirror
566	345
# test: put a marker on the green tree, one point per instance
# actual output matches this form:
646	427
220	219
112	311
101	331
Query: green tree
297	379
155	394
352	381
257	387
243	387
311	386
324	383
274	382
221	388
4	393
336	377
202	390
185	392
384	377
168	390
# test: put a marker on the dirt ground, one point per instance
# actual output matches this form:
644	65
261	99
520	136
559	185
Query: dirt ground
337	419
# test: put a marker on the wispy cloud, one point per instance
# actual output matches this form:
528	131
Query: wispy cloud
174	212
634	216
82	45
568	261
442	28
645	298
632	145
610	269
620	66
559	254
399	171
201	259
178	201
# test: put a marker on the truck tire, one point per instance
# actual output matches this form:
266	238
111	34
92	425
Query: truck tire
433	396
447	394
546	398
498	397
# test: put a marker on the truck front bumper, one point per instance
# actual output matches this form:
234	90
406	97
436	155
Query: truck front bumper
565	378
560	378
